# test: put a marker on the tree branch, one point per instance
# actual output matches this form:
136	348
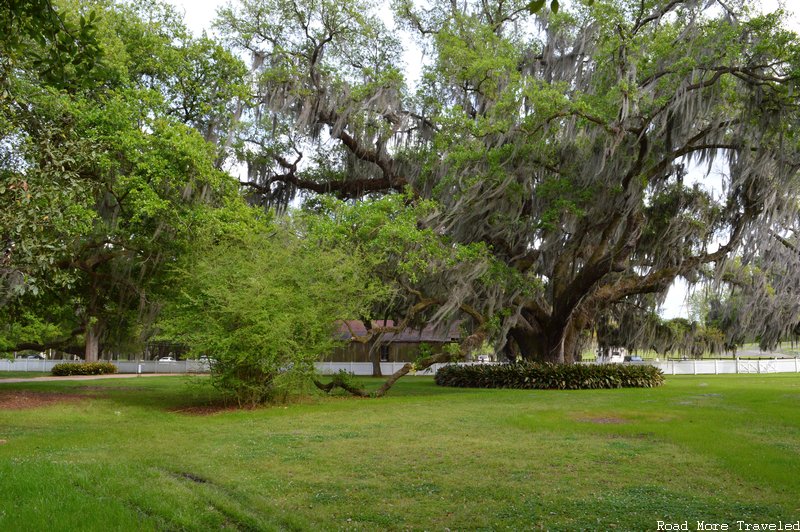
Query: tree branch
61	344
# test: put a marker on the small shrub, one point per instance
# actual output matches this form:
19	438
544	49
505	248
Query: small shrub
79	368
344	379
550	376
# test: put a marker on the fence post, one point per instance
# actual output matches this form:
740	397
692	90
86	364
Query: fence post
694	366
737	365
716	372
758	366
795	365
673	367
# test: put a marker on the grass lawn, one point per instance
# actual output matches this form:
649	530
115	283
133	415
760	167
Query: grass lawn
127	454
23	374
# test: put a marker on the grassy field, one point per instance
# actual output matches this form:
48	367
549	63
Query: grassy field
23	374
137	454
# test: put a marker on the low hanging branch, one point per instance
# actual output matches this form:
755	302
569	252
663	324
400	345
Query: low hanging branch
64	344
340	381
422	305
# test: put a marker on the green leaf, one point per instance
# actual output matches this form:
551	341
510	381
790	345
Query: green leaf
535	6
554	6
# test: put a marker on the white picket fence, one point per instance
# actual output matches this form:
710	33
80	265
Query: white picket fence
669	367
123	366
196	366
718	367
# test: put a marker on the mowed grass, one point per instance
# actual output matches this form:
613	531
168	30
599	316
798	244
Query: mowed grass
23	374
121	455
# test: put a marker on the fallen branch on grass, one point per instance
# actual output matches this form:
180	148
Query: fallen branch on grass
342	379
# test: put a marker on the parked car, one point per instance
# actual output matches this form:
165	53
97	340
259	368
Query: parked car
166	359
614	355
37	356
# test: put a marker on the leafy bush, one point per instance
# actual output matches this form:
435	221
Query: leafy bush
92	368
265	306
550	376
344	379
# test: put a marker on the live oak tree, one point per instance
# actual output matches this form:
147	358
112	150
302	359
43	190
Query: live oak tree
104	168
595	154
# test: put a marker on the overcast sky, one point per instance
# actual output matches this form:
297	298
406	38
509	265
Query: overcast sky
200	13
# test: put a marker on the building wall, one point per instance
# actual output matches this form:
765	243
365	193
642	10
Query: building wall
398	352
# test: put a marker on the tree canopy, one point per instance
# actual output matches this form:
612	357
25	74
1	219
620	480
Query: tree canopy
551	173
103	168
595	154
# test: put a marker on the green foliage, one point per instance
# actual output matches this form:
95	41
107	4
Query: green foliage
536	5
60	44
622	326
425	350
344	379
27	327
406	256
264	306
531	376
107	163
87	368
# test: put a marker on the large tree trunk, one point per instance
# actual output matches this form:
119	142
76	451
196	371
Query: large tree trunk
554	352
92	342
571	343
531	344
558	345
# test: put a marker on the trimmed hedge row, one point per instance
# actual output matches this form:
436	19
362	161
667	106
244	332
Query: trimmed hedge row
92	368
530	376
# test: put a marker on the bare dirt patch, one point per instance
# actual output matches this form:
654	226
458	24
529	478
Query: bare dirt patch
604	420
18	400
205	410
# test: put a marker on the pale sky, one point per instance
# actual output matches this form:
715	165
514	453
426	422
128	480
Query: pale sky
200	13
